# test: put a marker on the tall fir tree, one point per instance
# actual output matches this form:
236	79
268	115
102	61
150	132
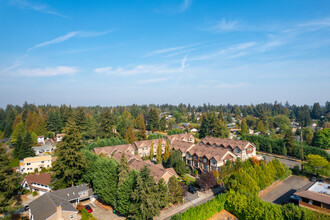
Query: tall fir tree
159	152
244	128
167	152
130	135
107	124
124	194
70	164
141	126
289	141
123	170
26	148
152	153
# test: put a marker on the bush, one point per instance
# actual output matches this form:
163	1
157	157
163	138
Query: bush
194	172
35	193
86	216
296	170
25	191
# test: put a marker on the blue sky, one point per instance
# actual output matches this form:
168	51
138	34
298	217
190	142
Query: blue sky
190	51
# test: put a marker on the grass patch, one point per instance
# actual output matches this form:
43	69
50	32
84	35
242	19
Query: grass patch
14	163
189	180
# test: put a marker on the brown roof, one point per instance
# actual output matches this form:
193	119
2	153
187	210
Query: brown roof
226	143
316	196
209	151
41	178
182	145
112	149
174	137
156	171
141	144
37	159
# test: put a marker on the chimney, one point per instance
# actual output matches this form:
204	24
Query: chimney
59	213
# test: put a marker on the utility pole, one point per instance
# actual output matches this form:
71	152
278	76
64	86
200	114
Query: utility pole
302	150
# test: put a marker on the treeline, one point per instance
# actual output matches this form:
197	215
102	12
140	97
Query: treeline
131	193
279	146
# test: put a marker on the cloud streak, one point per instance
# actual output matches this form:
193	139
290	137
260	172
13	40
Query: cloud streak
48	71
152	80
82	34
143	69
36	7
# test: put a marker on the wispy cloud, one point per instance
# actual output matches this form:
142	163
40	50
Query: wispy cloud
229	52
178	49
143	69
43	72
185	5
83	34
153	80
25	4
221	26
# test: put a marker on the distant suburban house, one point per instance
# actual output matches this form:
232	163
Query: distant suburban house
29	164
41	140
43	149
37	182
187	137
315	196
59	205
59	137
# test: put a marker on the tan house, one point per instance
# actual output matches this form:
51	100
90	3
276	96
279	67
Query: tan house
29	164
142	148
59	205
188	137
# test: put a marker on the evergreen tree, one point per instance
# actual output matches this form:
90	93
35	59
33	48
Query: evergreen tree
17	153
151	155
168	152
244	128
159	152
9	182
19	130
107	124
212	126
130	135
123	170
124	194
260	126
70	164
153	120
308	135
163	123
163	194
141	126
289	141
26	147
175	190
145	203
316	111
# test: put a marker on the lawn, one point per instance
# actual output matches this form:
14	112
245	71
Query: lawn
189	179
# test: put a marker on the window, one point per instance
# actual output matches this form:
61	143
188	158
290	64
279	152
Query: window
225	161
71	216
82	193
28	164
195	157
205	160
42	161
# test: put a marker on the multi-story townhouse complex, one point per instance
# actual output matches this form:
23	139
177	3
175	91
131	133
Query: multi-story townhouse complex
142	148
29	164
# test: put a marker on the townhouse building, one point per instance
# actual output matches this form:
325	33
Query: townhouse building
29	164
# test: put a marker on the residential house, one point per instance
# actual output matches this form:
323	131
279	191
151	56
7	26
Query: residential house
142	148
59	205
315	196
241	149
187	137
59	137
37	182
29	164
117	151
182	146
41	140
43	149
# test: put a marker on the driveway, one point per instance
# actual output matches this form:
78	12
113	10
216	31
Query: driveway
101	213
282	192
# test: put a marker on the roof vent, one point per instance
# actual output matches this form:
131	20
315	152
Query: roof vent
68	194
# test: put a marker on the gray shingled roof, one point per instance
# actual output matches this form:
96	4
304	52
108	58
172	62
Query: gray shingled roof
45	205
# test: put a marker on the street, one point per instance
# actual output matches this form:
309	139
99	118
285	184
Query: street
290	163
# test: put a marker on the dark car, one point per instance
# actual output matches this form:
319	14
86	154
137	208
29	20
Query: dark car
313	179
192	190
321	180
88	208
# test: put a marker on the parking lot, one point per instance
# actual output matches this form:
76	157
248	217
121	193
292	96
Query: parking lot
282	192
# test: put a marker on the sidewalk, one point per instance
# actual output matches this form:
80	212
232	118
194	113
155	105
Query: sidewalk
203	197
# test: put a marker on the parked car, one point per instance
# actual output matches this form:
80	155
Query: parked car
192	190
313	179
88	208
321	180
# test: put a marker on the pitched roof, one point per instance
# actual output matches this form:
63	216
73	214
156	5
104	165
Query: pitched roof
316	191
226	143
156	171
210	152
111	149
141	144
182	145
37	159
186	136
72	193
41	178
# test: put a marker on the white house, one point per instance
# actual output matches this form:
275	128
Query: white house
37	182
41	140
29	164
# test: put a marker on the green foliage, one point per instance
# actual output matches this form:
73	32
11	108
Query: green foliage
175	131
107	124
124	193
14	163
130	135
175	161
318	165
308	135
212	126
244	127
155	136
175	190
322	139
242	181
282	121
34	193
296	170
153	122
159	152
86	216
22	146
204	211
106	142
9	182
70	164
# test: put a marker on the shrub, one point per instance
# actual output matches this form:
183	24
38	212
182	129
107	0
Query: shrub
194	172
35	193
296	170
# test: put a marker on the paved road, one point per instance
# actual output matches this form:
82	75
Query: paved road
289	163
282	192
